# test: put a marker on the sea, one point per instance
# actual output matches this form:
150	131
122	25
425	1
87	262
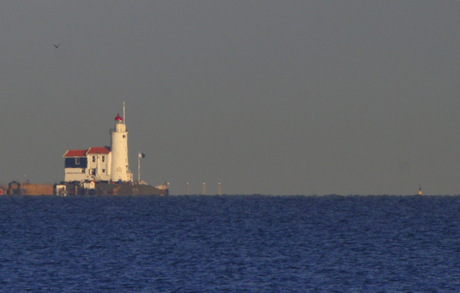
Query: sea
246	243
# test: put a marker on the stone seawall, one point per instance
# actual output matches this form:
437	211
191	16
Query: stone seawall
17	188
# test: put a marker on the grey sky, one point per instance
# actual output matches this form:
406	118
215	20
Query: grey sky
270	97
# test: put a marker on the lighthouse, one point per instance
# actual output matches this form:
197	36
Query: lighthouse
104	170
119	146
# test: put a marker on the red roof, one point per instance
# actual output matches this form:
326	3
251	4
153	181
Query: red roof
75	153
83	153
98	150
118	118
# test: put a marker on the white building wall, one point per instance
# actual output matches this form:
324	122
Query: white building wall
109	166
98	167
74	174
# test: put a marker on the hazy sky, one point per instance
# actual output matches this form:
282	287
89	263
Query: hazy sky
269	97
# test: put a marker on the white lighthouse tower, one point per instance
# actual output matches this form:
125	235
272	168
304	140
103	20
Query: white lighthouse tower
119	144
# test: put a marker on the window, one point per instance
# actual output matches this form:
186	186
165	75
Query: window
103	170
103	158
77	161
94	158
92	172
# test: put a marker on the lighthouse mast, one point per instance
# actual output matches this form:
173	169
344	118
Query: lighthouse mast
119	144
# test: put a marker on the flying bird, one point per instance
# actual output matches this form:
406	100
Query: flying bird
56	45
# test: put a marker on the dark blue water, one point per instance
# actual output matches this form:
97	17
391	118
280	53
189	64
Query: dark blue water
230	244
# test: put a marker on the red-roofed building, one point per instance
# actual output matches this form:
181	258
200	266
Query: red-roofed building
101	163
91	164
